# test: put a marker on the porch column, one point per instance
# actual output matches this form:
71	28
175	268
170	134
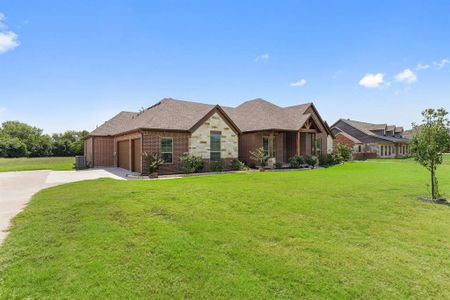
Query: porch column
298	143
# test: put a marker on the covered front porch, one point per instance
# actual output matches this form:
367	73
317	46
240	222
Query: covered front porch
282	145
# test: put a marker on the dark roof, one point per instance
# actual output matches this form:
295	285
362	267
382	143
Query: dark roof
350	137
370	129
172	114
259	114
115	125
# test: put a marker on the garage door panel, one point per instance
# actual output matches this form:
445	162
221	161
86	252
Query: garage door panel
137	156
124	154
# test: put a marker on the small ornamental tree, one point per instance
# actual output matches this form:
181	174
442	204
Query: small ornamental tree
153	161
259	156
344	151
430	142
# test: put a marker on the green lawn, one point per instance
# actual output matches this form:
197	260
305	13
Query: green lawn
351	231
36	163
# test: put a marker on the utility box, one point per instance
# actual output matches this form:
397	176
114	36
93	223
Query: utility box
80	162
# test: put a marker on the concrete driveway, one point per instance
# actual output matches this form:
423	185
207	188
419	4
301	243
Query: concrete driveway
16	188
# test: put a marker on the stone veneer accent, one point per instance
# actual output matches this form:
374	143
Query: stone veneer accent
199	142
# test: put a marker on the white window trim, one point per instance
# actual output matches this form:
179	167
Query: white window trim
160	148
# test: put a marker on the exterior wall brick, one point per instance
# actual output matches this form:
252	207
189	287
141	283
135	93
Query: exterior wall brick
341	139
180	145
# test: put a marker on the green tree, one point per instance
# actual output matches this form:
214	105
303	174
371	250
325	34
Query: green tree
69	143
430	142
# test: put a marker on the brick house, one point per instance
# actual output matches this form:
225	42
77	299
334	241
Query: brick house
369	140
175	127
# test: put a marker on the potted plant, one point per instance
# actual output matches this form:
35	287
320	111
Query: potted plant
260	157
153	162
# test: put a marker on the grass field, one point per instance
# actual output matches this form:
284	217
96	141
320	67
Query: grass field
351	231
36	163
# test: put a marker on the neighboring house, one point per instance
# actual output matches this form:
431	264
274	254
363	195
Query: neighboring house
174	127
370	140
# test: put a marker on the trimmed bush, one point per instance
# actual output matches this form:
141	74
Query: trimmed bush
191	163
311	160
344	151
296	161
218	166
238	165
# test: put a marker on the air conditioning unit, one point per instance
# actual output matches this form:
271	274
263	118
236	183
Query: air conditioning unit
80	162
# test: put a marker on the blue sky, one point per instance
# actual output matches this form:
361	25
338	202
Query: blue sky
74	64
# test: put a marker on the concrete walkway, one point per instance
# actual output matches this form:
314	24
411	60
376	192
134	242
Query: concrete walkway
17	188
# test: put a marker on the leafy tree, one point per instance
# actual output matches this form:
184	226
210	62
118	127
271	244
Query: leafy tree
18	139
430	142
12	147
69	143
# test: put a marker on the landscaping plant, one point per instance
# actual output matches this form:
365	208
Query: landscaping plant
218	166
430	142
259	156
237	165
152	161
296	161
311	161
344	151
191	163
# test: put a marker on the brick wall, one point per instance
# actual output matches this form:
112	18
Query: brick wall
180	145
341	139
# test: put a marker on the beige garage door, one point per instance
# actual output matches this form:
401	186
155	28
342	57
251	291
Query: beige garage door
124	154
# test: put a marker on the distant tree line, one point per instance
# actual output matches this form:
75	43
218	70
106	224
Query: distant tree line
18	139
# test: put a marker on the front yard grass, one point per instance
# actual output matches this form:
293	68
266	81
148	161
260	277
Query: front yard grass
351	231
36	163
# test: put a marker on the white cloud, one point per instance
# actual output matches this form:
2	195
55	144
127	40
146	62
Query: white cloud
300	83
2	109
8	39
372	80
420	67
406	76
264	56
442	63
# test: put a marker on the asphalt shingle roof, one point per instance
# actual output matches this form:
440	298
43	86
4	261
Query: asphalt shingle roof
172	114
368	129
259	114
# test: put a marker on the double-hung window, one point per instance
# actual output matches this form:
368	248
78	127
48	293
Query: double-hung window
215	145
167	149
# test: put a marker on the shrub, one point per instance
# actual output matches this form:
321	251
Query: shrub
259	156
296	161
153	161
344	151
252	164
191	163
311	160
238	165
278	165
335	159
325	160
218	166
